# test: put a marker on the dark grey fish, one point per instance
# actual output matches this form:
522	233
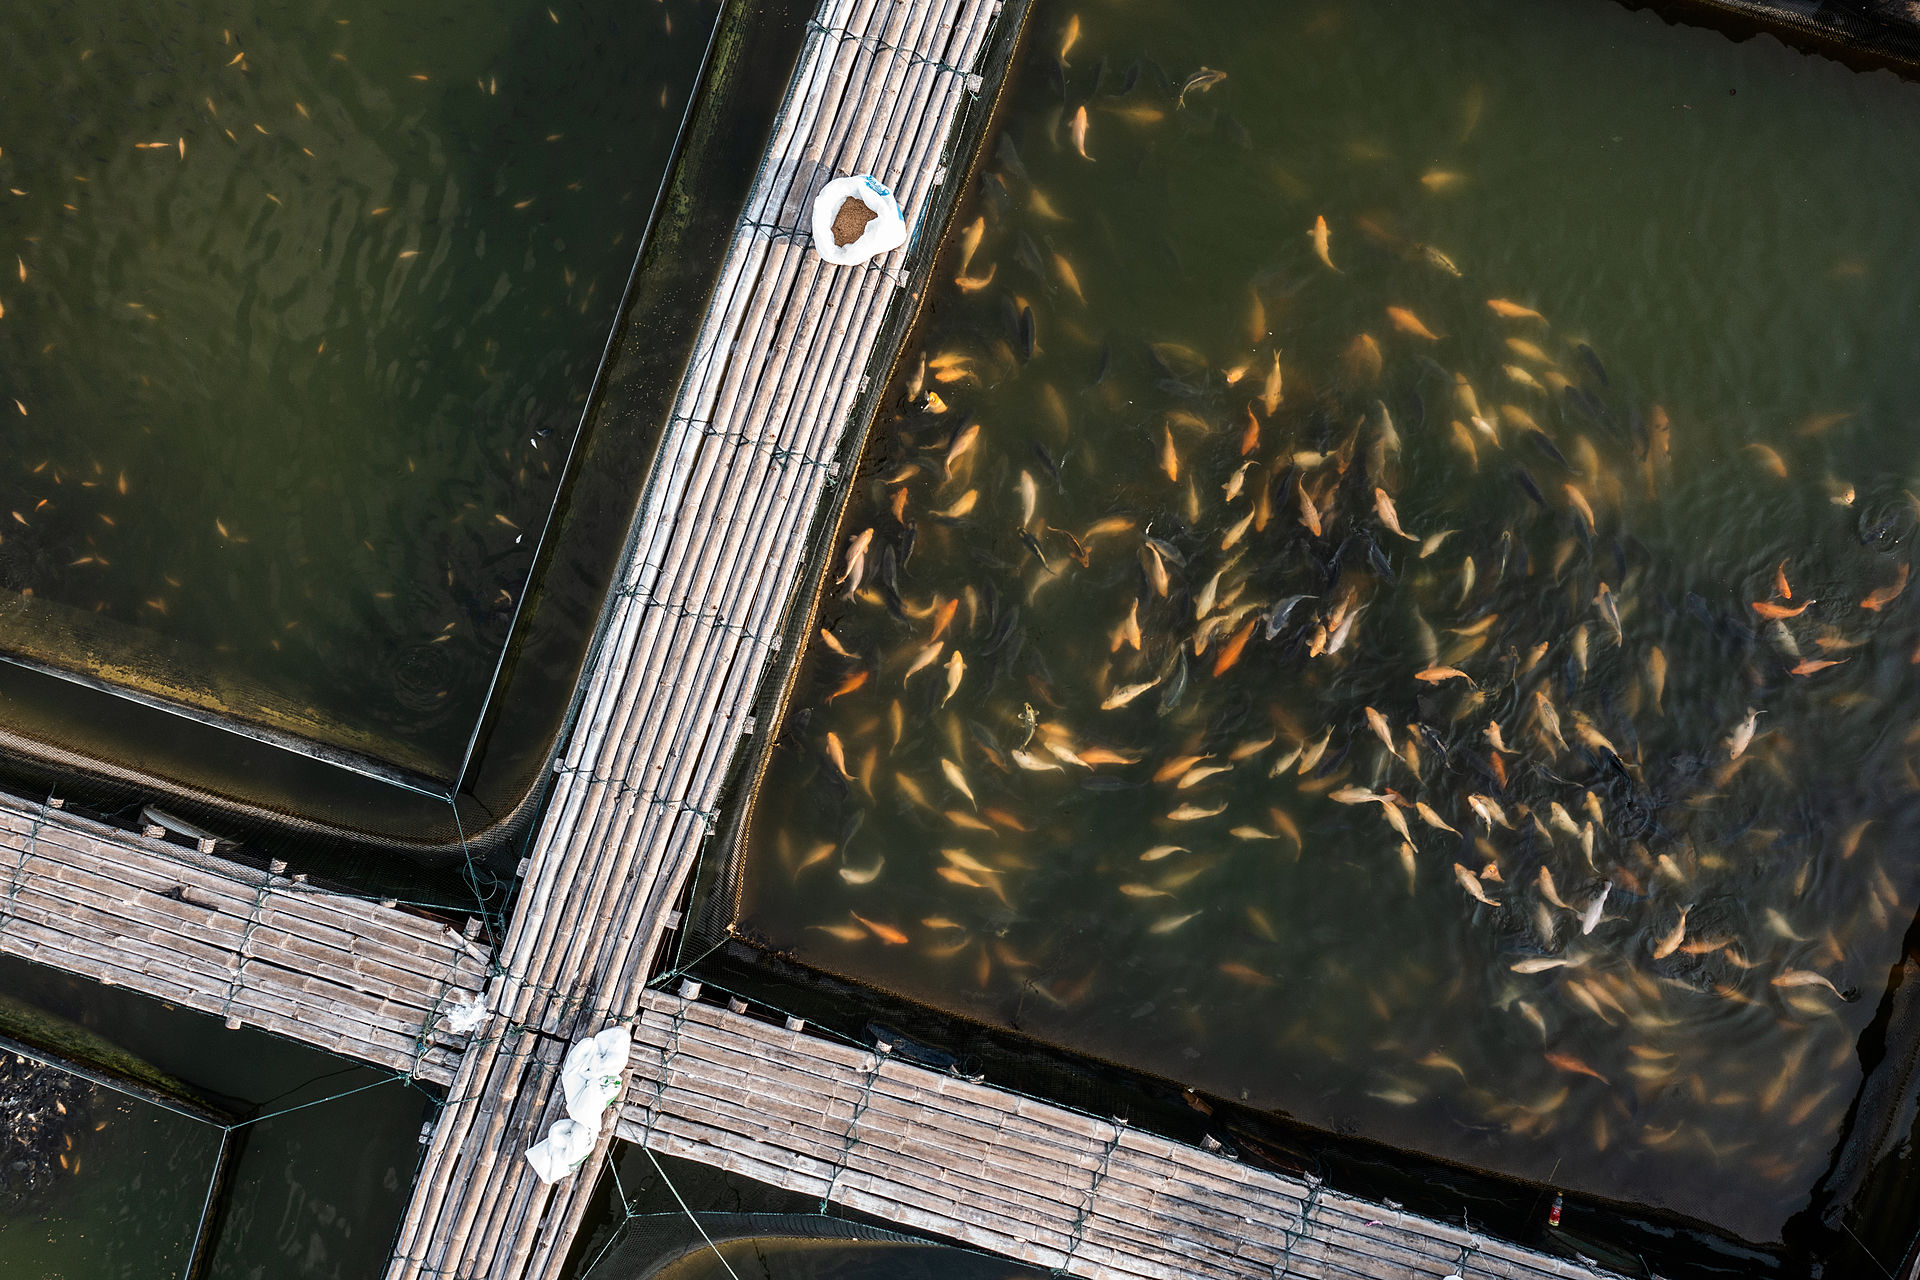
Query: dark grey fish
1047	462
1176	686
1592	362
1170	553
1278	615
1525	480
1544	443
1103	365
1027	254
1009	157
1378	559
1033	544
1003	631
1028	338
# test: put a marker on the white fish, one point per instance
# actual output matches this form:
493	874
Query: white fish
958	780
1742	736
1032	763
863	877
1029	498
1591	916
956	671
1126	693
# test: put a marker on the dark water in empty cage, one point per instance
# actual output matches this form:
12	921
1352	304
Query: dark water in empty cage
302	304
1569	835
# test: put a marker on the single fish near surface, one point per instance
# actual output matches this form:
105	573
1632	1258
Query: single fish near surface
885	932
1590	917
1881	597
1322	242
1407	322
1669	942
1126	693
1573	1065
957	780
1513	310
1389	514
1077	129
865	876
956	670
854	572
1471	883
1808	978
1741	738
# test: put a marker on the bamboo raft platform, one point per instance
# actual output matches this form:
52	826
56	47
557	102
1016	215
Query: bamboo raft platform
363	979
1051	1187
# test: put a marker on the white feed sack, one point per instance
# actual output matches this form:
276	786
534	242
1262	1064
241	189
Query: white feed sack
855	219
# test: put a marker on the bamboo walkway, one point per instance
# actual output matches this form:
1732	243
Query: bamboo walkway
363	979
740	473
1038	1183
1005	1173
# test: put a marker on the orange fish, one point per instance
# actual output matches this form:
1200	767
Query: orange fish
1250	976
1513	310
1407	322
1769	459
956	876
1363	360
1309	513
1000	817
885	932
1230	653
1250	438
1565	1062
1169	460
1812	665
1882	597
943	616
1780	583
1768	609
1434	675
853	682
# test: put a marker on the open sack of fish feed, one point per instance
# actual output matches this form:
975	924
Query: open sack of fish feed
855	219
590	1078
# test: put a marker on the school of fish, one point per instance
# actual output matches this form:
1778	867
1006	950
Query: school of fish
1281	607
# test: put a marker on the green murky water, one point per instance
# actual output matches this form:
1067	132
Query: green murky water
1468	851
303	302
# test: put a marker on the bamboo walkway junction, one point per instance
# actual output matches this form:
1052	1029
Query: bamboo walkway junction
741	473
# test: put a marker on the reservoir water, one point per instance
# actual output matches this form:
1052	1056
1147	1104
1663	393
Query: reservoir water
303	304
1380	592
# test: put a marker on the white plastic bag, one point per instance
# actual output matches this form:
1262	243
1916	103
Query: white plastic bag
843	234
464	1015
557	1155
590	1076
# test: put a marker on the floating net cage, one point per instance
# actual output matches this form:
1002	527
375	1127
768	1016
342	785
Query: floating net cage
453	841
78	1153
139	1139
1860	1215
